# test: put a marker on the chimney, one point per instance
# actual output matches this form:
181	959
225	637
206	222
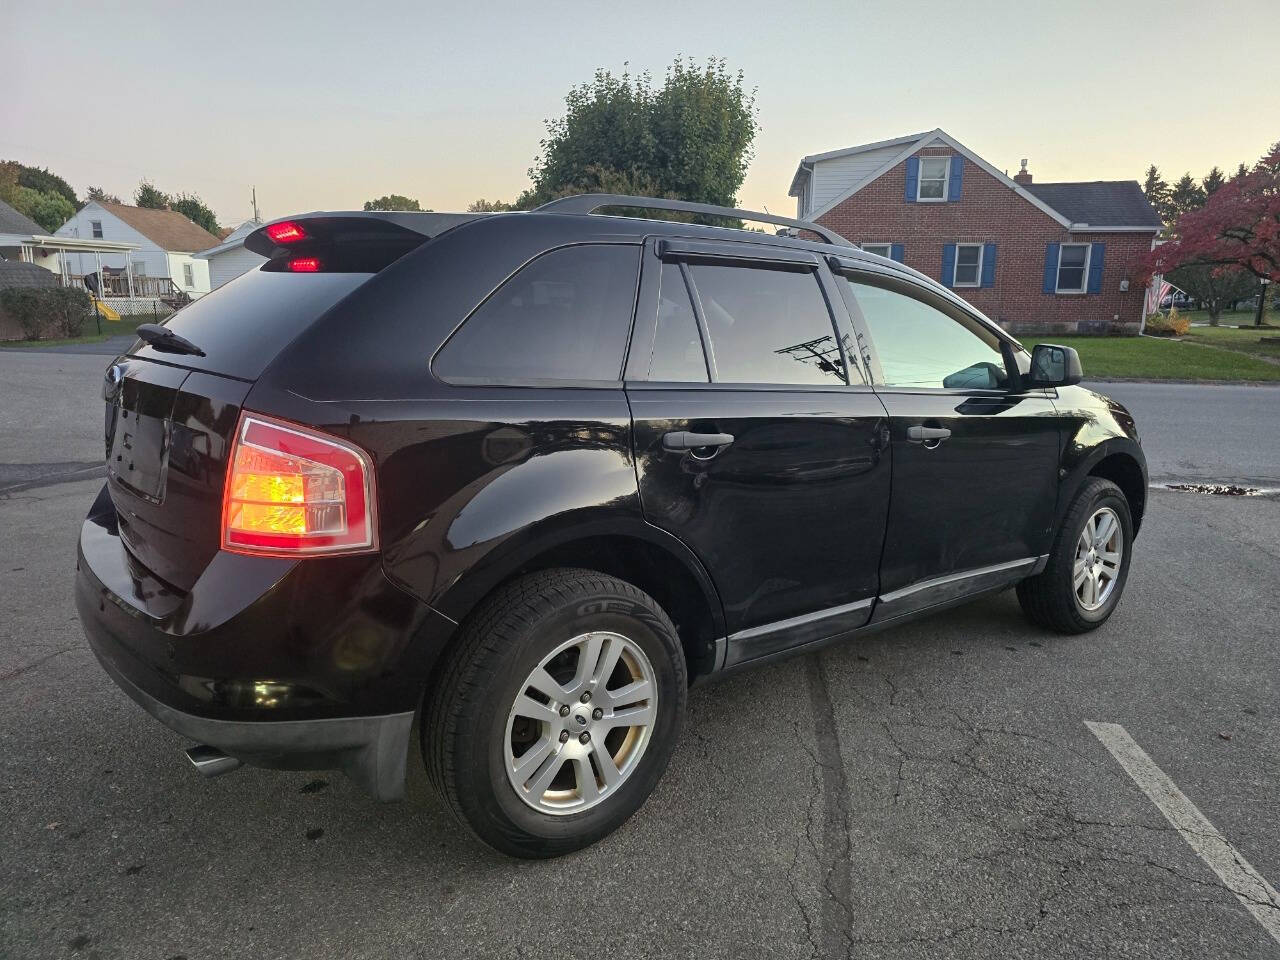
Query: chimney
1022	177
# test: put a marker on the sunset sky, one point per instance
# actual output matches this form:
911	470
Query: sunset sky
323	106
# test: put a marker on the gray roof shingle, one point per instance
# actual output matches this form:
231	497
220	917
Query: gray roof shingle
1100	203
14	273
11	221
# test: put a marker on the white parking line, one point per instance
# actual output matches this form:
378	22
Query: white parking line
1235	872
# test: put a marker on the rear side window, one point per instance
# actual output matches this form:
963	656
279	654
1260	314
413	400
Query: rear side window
767	326
564	316
677	346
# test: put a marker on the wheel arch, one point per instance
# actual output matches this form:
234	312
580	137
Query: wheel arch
645	556
1119	460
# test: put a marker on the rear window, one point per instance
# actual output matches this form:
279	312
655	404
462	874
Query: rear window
564	316
243	325
767	325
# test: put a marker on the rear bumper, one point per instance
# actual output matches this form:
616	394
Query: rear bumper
278	663
370	750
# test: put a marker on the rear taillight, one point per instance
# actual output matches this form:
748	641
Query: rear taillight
291	490
305	265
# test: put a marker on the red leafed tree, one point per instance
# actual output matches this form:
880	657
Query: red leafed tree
1239	226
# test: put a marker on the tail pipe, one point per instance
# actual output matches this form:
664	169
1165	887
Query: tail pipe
210	761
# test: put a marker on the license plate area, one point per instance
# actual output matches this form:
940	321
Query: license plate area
140	429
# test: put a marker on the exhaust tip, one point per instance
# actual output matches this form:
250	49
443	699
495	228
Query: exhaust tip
210	761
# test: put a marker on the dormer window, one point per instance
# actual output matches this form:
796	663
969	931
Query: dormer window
933	179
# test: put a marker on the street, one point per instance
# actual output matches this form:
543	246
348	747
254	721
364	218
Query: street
932	791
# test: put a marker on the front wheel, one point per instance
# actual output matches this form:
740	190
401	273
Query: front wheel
1088	565
558	712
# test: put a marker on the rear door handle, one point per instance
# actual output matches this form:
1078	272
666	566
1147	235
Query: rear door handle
684	440
930	435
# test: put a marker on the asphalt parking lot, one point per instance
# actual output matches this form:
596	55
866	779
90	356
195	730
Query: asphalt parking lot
929	792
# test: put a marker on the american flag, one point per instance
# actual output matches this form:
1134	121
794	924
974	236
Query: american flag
1157	290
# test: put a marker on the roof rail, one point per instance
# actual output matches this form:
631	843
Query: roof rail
591	202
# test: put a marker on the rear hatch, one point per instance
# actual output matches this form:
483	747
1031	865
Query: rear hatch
171	416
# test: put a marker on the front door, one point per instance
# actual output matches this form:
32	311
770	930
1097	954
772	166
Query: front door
974	463
751	447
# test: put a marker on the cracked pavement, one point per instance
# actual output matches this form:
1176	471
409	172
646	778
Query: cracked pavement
926	792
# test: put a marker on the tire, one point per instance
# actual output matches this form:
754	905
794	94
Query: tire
557	620
1051	599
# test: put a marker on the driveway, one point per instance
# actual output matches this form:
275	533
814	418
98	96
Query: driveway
928	792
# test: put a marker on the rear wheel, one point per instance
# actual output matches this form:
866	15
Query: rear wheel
1089	563
558	712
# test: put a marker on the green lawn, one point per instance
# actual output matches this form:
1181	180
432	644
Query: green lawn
1247	340
1153	358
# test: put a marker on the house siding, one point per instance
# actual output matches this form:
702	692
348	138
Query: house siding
988	211
225	267
831	178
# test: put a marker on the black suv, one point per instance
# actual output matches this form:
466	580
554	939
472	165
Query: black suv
525	477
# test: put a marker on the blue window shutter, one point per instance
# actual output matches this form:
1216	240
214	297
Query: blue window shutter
988	264
896	252
1095	266
913	179
949	265
955	180
1050	268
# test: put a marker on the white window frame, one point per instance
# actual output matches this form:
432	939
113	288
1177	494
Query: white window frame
946	180
1084	276
888	249
95	228
955	267
189	274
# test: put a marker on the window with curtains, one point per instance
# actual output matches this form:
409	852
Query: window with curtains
879	249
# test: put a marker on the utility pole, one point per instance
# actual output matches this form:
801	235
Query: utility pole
256	217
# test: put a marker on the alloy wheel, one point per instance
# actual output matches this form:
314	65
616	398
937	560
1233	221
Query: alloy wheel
580	723
1097	562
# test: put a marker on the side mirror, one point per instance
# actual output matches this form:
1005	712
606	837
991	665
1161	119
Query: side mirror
1054	366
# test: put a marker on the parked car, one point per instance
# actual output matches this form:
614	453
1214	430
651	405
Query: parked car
1177	299
526	477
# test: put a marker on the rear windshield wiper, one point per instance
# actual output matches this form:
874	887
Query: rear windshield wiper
164	339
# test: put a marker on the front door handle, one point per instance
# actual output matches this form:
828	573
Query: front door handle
684	440
930	436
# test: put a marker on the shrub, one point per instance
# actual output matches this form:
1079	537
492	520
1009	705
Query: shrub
1174	324
47	313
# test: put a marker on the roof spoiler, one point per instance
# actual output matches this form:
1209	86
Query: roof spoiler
591	202
331	229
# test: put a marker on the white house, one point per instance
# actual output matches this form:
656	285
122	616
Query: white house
166	243
229	259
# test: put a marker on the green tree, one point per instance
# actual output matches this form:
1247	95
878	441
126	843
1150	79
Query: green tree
50	210
690	138
488	206
1215	287
1157	191
195	210
1186	195
45	181
97	193
393	201
1212	181
148	196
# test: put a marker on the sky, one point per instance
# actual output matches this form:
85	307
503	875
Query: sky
325	105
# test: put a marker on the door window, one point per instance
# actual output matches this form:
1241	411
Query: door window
767	325
565	316
920	346
677	346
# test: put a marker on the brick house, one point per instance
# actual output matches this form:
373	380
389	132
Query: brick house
1035	257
